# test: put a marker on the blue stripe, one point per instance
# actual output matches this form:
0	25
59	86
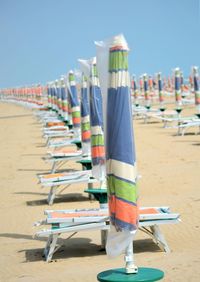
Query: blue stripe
145	86
159	85
73	96
96	111
97	161
135	85
84	103
177	83
117	50
120	139
120	178
63	94
196	84
122	224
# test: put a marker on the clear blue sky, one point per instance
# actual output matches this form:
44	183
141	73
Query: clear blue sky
42	39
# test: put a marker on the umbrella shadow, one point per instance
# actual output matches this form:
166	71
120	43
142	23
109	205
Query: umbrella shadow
32	169
21	236
15	116
31	193
196	144
73	248
71	197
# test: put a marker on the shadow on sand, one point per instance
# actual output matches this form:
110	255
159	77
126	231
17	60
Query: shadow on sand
65	198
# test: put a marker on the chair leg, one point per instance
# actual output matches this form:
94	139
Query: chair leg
51	248
53	169
104	234
52	194
159	238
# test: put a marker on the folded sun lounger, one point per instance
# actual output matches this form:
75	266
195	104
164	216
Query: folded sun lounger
66	221
54	180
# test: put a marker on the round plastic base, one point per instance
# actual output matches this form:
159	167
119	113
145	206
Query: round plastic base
179	110
99	194
119	275
78	144
162	109
86	163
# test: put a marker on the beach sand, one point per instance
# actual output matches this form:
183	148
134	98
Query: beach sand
169	166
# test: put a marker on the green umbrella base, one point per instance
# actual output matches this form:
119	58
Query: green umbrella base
78	144
119	275
86	164
99	194
162	109
178	110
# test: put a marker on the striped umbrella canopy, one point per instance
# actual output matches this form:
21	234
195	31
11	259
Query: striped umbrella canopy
146	90
120	149
135	90
160	90
96	120
85	118
56	95
59	97
74	103
177	86
64	102
196	87
53	95
121	172
49	95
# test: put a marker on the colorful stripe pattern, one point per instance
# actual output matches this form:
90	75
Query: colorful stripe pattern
196	85
146	90
96	119
177	86
73	98
49	96
64	102
120	151
85	113
135	90
160	88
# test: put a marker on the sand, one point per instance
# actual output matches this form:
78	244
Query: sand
169	166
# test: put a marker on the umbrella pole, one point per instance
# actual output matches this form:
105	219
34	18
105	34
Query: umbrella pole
129	259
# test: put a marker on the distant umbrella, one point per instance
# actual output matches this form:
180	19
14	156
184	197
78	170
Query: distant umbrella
74	103
96	119
196	87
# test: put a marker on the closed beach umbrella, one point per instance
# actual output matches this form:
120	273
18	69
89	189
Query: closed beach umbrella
96	120
177	81
85	118
135	91
74	104
146	90
160	91
196	87
120	151
64	102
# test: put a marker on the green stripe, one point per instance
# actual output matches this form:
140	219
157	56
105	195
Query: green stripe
76	114
64	102
122	189
118	60
97	140
71	77
94	70
85	126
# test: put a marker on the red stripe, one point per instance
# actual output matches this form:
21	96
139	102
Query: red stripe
123	210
